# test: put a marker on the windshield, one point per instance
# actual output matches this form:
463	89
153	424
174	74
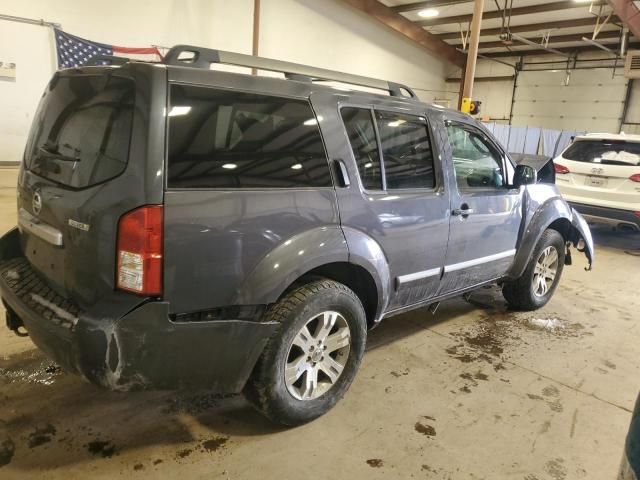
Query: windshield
82	129
611	152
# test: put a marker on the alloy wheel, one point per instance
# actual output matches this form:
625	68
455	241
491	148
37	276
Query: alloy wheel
545	271
317	356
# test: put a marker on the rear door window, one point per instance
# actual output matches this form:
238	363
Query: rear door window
82	130
228	139
406	151
610	152
362	136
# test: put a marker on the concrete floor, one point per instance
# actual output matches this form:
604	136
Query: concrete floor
470	393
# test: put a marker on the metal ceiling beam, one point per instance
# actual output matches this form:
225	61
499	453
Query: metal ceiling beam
410	7
402	25
566	50
497	78
576	37
534	27
627	11
545	7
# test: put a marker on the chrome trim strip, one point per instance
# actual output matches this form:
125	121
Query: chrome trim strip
35	226
479	261
412	277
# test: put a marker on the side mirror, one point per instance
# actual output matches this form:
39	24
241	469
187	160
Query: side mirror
524	175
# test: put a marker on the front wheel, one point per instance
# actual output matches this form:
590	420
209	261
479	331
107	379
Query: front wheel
540	279
309	364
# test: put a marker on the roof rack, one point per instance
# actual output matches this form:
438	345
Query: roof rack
101	60
197	57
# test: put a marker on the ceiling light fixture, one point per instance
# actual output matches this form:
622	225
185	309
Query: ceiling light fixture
428	13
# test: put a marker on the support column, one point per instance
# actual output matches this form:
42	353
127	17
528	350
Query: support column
472	55
256	32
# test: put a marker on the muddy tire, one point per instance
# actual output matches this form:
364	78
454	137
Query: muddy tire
311	360
540	279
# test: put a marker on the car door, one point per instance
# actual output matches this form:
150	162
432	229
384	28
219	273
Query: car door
486	212
396	192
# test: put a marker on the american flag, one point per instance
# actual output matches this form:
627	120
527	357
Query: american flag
75	51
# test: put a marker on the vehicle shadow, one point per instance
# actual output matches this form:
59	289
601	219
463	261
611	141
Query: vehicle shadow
50	419
607	237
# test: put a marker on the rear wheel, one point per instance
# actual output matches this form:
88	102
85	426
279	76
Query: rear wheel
309	364
540	279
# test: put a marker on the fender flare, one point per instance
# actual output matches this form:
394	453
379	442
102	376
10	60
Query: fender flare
554	209
365	252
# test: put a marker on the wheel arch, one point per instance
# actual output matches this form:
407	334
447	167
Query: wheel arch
356	277
553	214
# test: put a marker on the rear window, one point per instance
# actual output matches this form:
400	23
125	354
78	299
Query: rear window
82	130
229	139
604	151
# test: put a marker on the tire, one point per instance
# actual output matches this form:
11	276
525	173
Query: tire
325	308
527	292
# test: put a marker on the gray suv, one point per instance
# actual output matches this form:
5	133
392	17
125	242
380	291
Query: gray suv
182	227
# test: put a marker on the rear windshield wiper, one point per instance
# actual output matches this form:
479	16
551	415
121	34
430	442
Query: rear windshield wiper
55	155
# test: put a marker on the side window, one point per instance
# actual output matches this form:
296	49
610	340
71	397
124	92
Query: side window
362	136
228	139
476	162
406	151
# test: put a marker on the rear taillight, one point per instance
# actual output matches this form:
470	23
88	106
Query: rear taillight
635	177
560	168
140	250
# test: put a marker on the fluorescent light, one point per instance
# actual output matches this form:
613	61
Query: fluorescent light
368	165
313	121
396	123
430	13
297	166
229	166
177	110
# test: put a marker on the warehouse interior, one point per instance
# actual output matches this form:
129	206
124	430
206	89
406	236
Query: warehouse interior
463	387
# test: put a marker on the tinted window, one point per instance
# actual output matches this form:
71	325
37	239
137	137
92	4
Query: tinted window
406	151
475	161
604	151
362	136
227	139
82	129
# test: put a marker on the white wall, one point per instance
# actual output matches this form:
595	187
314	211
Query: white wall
324	33
593	100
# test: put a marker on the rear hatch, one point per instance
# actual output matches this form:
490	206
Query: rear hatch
601	172
95	151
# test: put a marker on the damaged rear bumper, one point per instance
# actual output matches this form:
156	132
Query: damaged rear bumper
125	342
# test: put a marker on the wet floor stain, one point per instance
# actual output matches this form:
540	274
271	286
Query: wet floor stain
7	449
41	435
100	448
184	453
214	444
29	367
556	469
375	462
426	430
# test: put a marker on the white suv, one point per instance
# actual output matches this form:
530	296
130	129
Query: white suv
599	175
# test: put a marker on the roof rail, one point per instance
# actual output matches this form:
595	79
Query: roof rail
98	60
197	57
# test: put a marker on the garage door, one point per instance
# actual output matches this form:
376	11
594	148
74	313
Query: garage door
593	100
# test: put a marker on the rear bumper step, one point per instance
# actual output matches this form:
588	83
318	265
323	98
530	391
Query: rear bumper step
132	349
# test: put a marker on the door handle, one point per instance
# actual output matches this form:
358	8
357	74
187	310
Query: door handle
464	211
